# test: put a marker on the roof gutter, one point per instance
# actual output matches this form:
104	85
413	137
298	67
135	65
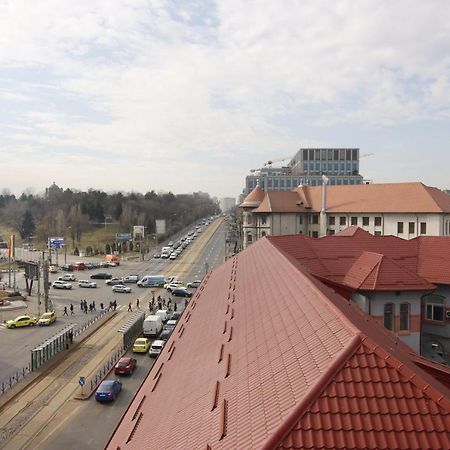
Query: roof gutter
273	442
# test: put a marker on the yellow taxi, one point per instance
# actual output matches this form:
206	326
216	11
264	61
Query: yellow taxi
47	318
141	345
21	321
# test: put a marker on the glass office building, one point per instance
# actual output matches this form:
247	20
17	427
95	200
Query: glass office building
340	165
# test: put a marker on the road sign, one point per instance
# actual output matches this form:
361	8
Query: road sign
123	237
82	381
55	243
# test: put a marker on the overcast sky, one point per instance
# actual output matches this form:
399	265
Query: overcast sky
182	95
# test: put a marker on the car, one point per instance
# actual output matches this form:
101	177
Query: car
67	277
156	348
170	324
79	265
53	269
181	292
22	321
165	334
141	345
157	255
67	267
194	284
125	366
131	279
175	315
108	390
121	288
173	284
113	281
101	276
164	255
91	265
87	284
170	244
58	284
173	256
47	319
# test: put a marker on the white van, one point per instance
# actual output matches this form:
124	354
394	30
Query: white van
152	326
152	281
156	348
131	279
163	314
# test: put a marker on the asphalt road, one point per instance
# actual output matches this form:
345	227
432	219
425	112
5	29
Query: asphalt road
89	424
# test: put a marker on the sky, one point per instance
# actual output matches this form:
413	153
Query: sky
190	95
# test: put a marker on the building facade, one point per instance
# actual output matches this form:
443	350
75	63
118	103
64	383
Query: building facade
227	204
308	165
406	210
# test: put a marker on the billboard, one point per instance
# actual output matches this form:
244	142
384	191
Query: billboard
160	226
123	237
56	243
138	231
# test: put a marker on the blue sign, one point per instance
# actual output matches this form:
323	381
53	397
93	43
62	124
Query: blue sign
123	237
55	243
82	381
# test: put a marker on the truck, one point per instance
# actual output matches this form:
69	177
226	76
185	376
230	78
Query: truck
152	326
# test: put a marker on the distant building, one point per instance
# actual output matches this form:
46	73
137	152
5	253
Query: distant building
406	210
340	165
227	204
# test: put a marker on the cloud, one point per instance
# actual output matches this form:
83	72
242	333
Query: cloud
204	83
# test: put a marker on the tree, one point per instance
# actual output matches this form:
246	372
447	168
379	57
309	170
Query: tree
27	228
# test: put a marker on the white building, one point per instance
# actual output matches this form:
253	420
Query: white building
227	204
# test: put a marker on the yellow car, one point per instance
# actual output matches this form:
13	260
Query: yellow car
141	345
47	318
21	321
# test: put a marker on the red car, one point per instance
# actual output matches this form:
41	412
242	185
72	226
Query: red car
125	366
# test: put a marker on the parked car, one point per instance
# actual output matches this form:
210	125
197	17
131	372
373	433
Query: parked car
108	390
156	348
170	324
79	265
67	277
175	315
141	345
181	292
125	366
157	255
87	284
22	321
101	276
113	281
174	284
173	256
53	269
194	284
47	318
59	284
67	267
121	288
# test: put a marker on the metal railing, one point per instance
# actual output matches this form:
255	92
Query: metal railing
109	364
86	325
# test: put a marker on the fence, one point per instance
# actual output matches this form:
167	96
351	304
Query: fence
8	382
95	380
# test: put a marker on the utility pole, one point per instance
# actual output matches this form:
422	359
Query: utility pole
39	288
45	279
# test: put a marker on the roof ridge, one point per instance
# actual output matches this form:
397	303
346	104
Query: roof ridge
321	384
376	268
268	201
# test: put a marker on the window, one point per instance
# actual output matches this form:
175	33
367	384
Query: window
315	234
434	309
315	219
263	234
411	227
305	154
342	220
249	219
377	233
275	183
389	316
404	317
330	232
249	238
331	220
365	221
348	155
378	221
355	155
354	220
300	219
263	219
423	228
399	227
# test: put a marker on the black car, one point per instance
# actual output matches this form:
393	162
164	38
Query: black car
165	335
101	276
67	267
179	292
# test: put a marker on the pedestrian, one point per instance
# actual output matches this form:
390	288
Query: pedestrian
137	303
81	304
101	306
110	306
115	304
174	306
65	311
90	307
71	309
185	302
93	305
129	307
164	302
85	307
159	305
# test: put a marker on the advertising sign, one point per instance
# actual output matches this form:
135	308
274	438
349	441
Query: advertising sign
55	243
160	226
123	237
138	231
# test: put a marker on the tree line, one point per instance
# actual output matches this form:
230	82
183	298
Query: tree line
70	213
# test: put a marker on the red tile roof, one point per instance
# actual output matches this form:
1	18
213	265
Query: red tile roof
334	257
362	198
261	346
254	198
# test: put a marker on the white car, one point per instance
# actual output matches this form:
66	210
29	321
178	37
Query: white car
173	256
156	348
194	284
113	281
53	269
67	277
87	284
59	284
121	288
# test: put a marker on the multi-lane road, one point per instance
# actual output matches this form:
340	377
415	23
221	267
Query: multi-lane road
87	424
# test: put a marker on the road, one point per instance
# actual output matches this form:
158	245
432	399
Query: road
88	424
